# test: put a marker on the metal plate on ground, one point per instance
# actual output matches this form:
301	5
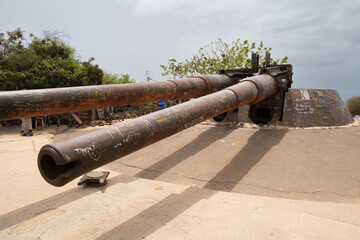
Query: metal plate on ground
94	179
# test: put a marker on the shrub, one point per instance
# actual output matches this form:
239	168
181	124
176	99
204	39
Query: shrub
353	105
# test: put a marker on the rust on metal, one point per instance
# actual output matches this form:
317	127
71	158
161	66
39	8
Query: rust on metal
61	162
30	103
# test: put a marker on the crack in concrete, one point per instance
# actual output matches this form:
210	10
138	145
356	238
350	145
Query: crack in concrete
36	220
9	141
33	144
12	177
332	220
16	151
238	183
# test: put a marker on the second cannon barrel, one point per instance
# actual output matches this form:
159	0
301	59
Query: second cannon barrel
30	103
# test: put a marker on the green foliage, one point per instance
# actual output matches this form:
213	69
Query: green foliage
45	62
353	105
116	79
216	56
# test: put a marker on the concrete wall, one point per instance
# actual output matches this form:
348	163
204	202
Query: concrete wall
309	108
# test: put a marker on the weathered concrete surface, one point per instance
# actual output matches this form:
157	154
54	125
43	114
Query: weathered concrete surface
312	164
220	158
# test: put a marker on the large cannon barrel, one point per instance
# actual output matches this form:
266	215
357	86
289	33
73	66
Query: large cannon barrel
61	162
29	103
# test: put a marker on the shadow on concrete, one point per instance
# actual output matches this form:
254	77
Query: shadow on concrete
202	141
25	213
255	149
158	215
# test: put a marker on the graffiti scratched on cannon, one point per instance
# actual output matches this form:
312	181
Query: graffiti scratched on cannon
93	150
132	137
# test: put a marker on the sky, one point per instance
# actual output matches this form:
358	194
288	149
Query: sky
320	37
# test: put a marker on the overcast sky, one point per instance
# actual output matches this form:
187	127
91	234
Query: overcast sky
321	38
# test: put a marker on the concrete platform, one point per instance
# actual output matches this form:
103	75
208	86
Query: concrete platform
208	182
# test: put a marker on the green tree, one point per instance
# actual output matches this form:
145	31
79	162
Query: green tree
353	105
216	56
116	79
44	62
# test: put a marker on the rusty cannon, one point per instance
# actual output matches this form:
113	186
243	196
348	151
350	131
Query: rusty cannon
30	103
262	88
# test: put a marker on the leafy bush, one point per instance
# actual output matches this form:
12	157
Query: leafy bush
45	62
216	56
116	79
353	105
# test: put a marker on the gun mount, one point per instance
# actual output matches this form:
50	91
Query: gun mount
61	162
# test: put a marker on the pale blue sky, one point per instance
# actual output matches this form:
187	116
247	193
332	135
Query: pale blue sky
321	38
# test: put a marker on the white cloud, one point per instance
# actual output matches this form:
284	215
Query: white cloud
149	7
194	7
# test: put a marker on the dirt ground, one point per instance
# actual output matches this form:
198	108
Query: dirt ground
208	182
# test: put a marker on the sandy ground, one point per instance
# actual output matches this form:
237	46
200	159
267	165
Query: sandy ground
207	182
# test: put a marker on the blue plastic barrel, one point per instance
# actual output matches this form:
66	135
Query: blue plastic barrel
161	105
